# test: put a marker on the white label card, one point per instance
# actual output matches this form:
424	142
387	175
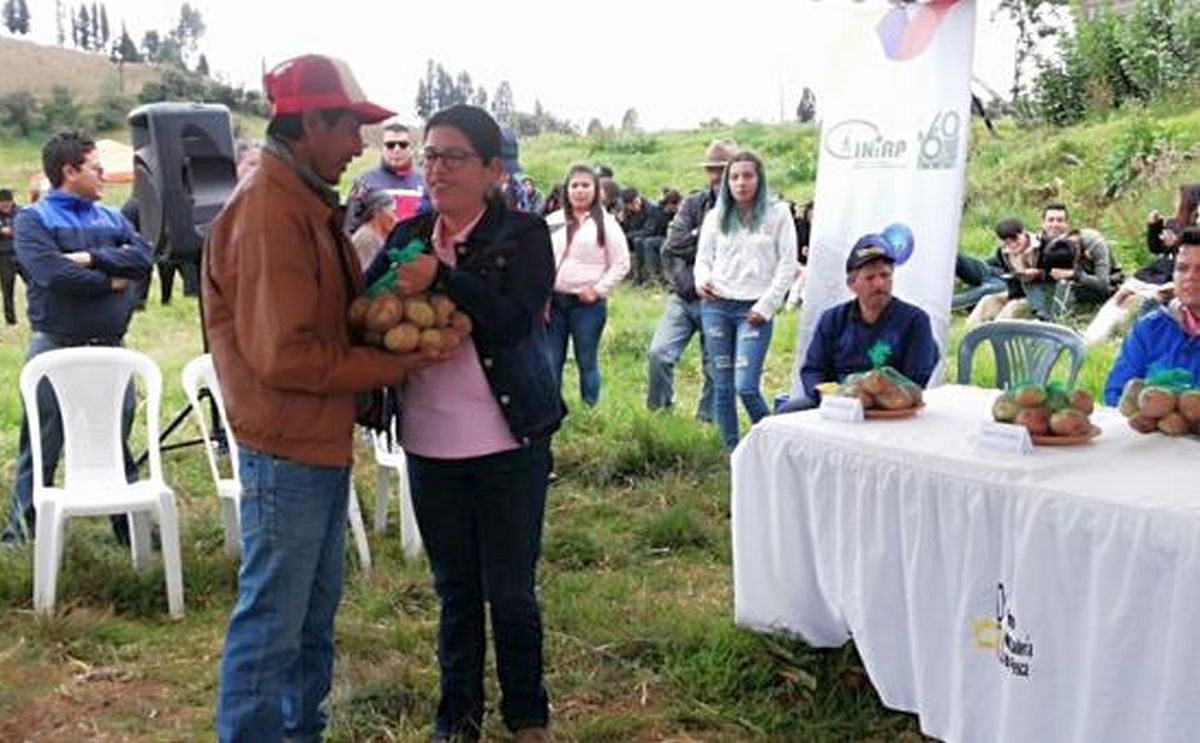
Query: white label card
838	408
1006	437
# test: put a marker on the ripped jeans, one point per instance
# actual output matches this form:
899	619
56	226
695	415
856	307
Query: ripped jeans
736	351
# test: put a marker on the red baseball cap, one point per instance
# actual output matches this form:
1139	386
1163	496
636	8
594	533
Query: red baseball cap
317	82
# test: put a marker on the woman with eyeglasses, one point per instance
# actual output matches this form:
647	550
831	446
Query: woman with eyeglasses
477	429
591	257
745	262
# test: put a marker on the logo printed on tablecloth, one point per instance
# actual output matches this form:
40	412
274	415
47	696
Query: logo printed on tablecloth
1001	635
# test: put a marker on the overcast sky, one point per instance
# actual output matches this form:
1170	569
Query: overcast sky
677	63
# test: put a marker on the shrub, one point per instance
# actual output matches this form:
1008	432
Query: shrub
19	113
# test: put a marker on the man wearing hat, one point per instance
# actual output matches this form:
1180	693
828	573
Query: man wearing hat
278	277
846	332
681	317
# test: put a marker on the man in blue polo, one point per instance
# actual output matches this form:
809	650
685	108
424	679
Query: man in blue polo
846	332
82	262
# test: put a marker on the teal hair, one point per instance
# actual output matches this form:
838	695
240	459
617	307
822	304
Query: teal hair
727	212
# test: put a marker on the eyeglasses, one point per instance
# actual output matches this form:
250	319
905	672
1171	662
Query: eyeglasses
396	145
452	157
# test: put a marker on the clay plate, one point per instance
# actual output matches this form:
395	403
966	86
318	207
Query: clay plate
880	414
1051	440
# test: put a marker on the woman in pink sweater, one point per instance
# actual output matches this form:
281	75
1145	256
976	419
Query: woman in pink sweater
592	257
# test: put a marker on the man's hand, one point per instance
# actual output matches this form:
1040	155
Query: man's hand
417	275
1030	274
1061	274
6	231
118	284
755	319
588	295
1155	217
80	258
1169	237
707	291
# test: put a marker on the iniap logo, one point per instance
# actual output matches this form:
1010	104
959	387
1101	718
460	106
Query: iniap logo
862	142
905	32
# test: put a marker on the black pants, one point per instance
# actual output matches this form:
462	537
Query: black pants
8	276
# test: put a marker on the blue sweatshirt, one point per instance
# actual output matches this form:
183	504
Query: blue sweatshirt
67	300
1156	342
841	341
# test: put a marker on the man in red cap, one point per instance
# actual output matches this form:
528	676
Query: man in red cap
278	278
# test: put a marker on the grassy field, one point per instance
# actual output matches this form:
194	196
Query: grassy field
636	574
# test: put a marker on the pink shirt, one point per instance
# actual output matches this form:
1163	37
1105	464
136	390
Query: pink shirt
585	263
449	411
1191	321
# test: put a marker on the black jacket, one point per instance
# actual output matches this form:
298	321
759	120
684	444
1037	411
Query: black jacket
679	251
503	280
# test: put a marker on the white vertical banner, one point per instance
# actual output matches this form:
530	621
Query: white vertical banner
893	149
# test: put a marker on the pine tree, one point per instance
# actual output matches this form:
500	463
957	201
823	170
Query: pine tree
202	66
104	30
127	51
22	17
85	29
60	22
95	27
10	15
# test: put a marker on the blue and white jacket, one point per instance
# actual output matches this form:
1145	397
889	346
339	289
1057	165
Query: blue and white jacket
1156	342
67	300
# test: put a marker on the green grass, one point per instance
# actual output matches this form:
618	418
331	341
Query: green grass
635	576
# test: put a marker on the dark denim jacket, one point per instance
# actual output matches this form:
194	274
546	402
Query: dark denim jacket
503	280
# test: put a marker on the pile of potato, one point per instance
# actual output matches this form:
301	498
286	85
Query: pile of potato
883	388
1046	410
404	324
1151	408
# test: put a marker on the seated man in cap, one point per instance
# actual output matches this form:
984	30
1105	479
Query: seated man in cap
847	331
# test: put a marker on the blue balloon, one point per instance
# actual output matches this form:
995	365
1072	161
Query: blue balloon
900	238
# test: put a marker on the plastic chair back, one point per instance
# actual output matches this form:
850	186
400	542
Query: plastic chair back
199	374
1025	351
90	385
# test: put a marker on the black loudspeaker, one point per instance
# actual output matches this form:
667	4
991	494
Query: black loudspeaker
184	171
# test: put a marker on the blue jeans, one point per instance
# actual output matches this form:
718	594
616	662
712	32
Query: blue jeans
21	515
583	324
983	278
680	320
481	521
737	350
278	663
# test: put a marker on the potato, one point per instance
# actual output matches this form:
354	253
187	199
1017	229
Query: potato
1082	401
384	313
1030	395
1173	424
403	338
1069	422
1036	419
1189	405
461	322
357	314
1142	424
419	312
1155	402
431	339
443	309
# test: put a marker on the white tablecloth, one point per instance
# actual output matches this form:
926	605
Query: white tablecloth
908	537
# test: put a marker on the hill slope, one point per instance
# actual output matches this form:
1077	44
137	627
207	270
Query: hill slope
38	68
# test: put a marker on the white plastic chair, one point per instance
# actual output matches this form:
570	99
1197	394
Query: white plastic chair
90	385
390	457
199	374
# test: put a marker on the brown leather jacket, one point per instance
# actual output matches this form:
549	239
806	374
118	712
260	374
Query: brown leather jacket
275	296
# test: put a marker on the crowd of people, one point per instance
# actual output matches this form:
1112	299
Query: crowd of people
534	274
